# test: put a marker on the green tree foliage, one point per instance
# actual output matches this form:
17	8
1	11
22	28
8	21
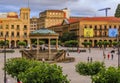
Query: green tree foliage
117	13
89	68
110	75
17	65
2	43
86	44
44	73
71	43
30	71
22	43
100	43
105	43
115	43
40	42
53	42
68	36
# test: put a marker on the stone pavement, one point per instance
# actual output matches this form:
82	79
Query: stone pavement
69	68
96	54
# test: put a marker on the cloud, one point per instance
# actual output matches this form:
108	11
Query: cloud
77	7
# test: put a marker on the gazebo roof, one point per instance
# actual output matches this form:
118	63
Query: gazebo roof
43	31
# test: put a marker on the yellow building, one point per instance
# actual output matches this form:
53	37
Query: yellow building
33	24
49	18
98	26
14	27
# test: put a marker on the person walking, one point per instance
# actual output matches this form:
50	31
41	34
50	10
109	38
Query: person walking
108	56
112	56
104	56
91	59
88	59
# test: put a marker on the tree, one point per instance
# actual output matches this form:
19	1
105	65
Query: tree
22	43
100	43
117	13
86	44
40	42
71	43
115	43
89	68
44	73
68	36
109	75
31	71
15	66
53	42
105	43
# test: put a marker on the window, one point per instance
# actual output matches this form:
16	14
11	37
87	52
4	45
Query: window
105	33
12	26
109	26
100	33
7	33
90	26
25	34
7	26
25	27
12	34
105	27
85	26
95	33
18	35
100	26
18	27
95	27
1	33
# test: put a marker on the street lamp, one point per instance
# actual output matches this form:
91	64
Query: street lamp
89	44
5	59
118	50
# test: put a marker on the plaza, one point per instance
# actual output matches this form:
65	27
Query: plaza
69	68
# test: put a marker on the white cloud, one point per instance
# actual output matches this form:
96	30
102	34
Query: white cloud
77	7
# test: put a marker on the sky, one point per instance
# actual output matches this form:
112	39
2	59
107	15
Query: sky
81	8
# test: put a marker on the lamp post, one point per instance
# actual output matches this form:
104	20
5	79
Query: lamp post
118	50
89	44
5	59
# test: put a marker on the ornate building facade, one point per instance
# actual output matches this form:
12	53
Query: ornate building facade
33	24
15	28
49	18
99	25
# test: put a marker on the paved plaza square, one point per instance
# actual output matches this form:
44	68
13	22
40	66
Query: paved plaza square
69	68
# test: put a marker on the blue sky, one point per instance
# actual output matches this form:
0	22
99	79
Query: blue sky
76	7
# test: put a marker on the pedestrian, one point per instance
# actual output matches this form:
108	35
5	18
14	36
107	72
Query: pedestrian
112	56
91	59
88	59
104	55
67	52
18	81
108	56
78	50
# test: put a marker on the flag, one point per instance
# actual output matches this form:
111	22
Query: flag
88	32
112	32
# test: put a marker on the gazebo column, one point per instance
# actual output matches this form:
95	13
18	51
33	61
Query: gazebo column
57	44
49	48
30	44
37	46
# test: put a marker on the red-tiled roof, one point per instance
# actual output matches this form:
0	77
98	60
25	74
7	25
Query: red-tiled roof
115	19
75	19
72	19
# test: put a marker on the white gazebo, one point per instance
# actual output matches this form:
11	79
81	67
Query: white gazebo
44	33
